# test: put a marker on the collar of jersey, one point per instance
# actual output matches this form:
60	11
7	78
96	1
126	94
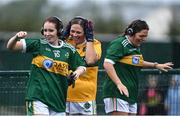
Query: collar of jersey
81	45
128	39
61	43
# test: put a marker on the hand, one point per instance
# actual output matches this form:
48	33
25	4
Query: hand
123	89
164	67
71	79
21	34
89	32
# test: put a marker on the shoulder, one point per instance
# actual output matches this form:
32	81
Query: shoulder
34	41
69	46
120	41
43	41
97	41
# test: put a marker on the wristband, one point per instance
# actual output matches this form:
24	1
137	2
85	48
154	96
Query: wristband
17	38
155	64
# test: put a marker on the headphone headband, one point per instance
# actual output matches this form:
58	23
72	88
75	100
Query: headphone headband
59	25
133	27
80	17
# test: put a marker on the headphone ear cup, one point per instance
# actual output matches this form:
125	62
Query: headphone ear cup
60	31
130	31
66	31
60	26
42	31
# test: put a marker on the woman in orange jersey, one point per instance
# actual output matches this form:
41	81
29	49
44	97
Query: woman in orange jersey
81	98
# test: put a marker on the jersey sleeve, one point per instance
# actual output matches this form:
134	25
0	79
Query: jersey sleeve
98	49
114	51
76	61
31	45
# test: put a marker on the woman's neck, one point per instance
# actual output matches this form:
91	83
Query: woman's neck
56	42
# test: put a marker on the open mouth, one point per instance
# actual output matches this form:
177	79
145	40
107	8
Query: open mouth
76	38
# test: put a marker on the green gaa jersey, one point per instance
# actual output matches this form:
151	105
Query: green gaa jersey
127	61
50	67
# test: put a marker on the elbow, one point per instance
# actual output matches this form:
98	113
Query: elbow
9	47
105	65
90	62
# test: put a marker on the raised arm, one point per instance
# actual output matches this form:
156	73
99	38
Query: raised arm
14	43
91	55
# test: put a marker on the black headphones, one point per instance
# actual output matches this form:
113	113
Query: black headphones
85	21
58	22
80	17
133	28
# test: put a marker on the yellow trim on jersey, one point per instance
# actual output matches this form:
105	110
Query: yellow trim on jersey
135	60
57	67
80	47
86	85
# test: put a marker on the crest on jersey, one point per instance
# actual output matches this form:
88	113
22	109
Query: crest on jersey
135	60
47	63
87	105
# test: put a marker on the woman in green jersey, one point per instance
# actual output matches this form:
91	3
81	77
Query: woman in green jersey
52	60
122	63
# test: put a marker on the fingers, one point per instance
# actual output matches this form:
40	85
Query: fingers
89	32
123	90
76	75
169	64
21	34
126	93
166	66
165	70
90	25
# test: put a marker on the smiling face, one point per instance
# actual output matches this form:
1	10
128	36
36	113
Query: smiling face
50	33
138	38
77	33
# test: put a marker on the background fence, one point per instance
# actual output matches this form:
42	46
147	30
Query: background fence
13	85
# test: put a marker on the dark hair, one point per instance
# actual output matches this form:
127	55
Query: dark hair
136	26
80	20
58	24
76	20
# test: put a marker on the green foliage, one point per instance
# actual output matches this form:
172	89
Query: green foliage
24	14
29	14
113	26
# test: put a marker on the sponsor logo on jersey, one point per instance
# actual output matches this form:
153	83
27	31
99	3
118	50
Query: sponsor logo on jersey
58	67
47	49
